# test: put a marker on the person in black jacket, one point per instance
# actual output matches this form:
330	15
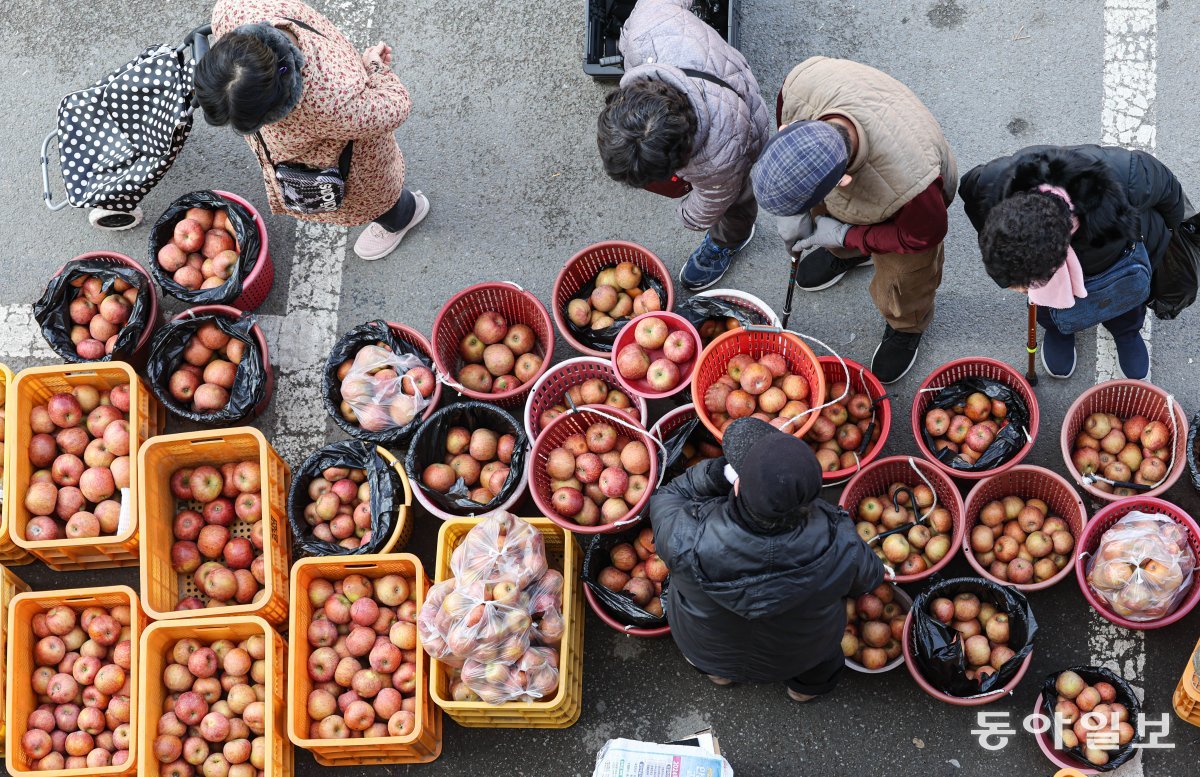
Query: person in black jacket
760	566
1092	227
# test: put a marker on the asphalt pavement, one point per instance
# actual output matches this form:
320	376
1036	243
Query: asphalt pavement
501	139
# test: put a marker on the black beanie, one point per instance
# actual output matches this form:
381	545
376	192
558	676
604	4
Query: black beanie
779	474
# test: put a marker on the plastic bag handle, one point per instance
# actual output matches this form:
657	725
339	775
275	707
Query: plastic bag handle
662	471
835	354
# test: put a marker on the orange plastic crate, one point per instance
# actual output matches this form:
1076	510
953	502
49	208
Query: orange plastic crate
10	586
162	588
21	700
159	639
1186	698
424	744
9	552
564	554
146	419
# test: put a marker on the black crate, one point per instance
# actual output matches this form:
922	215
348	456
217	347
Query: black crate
603	30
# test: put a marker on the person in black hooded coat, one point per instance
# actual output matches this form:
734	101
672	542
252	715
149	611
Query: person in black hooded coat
760	566
1121	201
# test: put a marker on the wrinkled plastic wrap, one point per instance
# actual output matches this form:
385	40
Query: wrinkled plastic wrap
245	233
52	311
1143	567
1009	441
379	390
1125	695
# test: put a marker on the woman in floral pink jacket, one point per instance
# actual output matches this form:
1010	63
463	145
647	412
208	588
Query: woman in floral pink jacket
282	75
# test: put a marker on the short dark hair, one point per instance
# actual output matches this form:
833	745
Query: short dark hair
238	82
645	132
1025	239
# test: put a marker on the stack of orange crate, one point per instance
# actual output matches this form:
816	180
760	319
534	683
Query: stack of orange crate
9	552
1186	698
10	586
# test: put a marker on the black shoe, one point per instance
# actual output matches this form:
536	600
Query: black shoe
895	356
821	269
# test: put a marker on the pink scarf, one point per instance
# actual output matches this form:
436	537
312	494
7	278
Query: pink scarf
1067	283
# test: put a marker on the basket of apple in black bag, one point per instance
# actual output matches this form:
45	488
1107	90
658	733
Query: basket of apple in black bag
1094	716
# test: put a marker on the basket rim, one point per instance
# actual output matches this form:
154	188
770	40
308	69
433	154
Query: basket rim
956	510
971	519
1056	757
906	597
616	625
548	511
527	412
819	390
446	371
681	324
1180	443
1019	382
557	303
671	415
745	296
1094	526
957	701
839	476
152	321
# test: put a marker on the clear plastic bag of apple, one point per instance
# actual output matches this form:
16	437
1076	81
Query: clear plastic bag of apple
1143	567
382	390
533	677
500	547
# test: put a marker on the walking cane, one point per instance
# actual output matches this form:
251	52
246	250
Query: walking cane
787	305
1031	346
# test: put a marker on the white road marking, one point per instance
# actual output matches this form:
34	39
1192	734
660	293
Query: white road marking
1128	119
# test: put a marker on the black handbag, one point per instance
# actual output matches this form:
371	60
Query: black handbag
308	189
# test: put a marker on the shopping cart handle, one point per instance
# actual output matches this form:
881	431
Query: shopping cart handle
45	160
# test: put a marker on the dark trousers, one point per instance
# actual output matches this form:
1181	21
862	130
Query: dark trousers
1121	326
400	214
738	222
821	679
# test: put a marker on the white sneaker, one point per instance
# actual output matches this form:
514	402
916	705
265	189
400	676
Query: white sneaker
375	242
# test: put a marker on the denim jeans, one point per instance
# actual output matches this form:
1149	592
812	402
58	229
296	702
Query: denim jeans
1124	324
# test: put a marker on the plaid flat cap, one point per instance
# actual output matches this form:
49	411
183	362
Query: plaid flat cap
799	167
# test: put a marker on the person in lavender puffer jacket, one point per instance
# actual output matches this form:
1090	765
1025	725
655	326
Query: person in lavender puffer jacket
687	108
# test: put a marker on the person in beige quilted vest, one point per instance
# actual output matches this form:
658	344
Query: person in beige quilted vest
860	174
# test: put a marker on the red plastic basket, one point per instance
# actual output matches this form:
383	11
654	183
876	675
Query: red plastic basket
862	381
973	367
234	314
875	478
744	300
675	323
958	701
553	436
1027	482
138	358
418	341
551	389
610	621
257	285
672	420
1090	542
1126	398
756	341
457	318
583	267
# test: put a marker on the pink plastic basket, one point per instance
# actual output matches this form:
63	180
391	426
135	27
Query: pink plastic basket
1104	520
257	285
675	323
551	389
958	701
235	314
138	358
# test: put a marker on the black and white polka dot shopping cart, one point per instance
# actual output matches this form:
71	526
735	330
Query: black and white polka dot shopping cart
118	137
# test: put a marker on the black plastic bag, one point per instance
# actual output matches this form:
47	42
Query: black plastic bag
938	650
245	232
1125	695
1177	274
619	605
52	311
603	339
1009	441
1193	438
428	446
671	461
166	354
345	348
698	309
387	496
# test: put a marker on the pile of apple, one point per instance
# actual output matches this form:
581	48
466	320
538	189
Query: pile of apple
1090	717
80	455
81	678
203	251
1019	541
874	628
968	429
598	475
651	335
695	452
712	328
215	715
481	458
363	663
210	365
377	397
983	628
922	546
498	357
340	510
227	569
1135	450
764	389
637	571
98	314
617	294
838	432
591	392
